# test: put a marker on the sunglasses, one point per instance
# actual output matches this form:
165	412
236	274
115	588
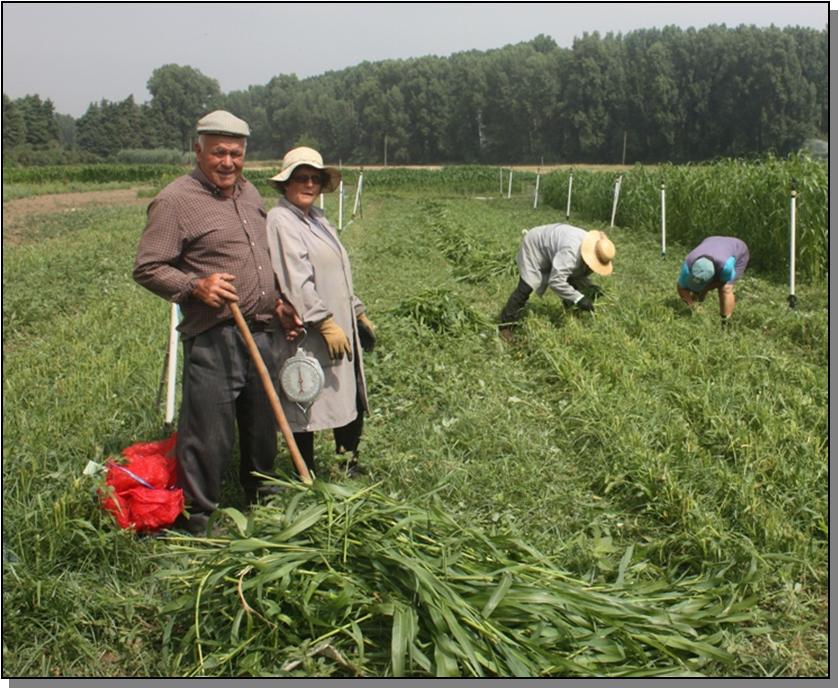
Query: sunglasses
306	178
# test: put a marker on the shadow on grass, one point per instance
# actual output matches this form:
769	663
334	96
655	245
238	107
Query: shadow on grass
555	311
679	308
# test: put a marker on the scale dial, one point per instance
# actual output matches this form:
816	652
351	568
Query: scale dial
301	378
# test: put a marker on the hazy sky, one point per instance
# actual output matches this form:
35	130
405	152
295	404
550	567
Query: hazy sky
78	53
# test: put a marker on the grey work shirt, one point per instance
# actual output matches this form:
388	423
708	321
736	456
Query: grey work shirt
193	231
549	256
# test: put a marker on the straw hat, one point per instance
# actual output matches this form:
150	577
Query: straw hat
598	252
310	157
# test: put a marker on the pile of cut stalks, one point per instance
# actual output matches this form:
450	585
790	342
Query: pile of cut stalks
340	580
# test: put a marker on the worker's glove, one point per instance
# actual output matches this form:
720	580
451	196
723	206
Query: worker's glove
366	333
336	339
596	292
585	305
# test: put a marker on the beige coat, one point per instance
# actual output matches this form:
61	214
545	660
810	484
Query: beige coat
313	272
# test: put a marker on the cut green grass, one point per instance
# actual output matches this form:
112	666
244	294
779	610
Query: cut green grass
641	448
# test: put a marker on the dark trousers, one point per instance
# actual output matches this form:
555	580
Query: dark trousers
514	308
347	438
222	389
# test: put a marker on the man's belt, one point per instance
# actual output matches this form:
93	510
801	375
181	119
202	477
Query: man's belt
253	324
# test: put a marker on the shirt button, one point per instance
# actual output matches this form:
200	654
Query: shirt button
253	244
259	267
245	221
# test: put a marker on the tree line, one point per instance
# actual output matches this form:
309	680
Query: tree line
650	95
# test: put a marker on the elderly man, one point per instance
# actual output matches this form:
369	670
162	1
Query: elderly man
715	264
561	257
205	244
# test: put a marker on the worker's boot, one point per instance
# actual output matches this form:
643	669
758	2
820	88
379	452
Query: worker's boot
513	310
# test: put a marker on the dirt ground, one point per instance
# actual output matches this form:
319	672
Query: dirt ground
19	209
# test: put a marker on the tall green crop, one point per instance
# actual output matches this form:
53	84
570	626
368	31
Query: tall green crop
749	200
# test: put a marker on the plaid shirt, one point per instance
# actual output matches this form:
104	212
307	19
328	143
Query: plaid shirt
193	231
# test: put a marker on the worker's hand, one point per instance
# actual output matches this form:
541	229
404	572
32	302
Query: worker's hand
366	333
596	292
585	305
289	319
215	290
336	339
686	295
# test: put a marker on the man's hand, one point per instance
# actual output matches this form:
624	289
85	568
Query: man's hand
686	295
215	290
585	305
289	319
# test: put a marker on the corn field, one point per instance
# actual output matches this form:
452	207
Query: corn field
746	199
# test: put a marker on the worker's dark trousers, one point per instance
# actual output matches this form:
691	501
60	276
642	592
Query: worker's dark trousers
222	388
347	438
514	309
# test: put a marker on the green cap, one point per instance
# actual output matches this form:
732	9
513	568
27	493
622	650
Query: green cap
701	272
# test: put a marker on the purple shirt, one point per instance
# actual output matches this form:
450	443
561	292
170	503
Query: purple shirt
719	249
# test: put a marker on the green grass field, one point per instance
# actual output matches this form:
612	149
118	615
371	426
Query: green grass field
642	443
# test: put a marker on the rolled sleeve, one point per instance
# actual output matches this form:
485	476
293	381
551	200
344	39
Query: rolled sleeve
159	251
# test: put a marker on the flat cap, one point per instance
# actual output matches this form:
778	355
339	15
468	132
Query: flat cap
222	123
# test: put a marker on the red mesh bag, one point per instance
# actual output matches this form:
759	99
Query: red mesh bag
141	492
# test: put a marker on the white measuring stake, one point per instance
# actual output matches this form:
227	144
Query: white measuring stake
568	207
357	193
340	205
615	200
500	181
536	193
663	220
321	201
172	369
510	184
792	248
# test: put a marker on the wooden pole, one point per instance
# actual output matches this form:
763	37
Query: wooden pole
357	193
340	205
615	199
172	365
296	457
792	199
570	184
663	220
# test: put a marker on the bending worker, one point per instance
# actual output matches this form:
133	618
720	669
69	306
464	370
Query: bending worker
715	264
205	245
561	257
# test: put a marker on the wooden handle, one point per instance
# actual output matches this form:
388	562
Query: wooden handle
268	384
